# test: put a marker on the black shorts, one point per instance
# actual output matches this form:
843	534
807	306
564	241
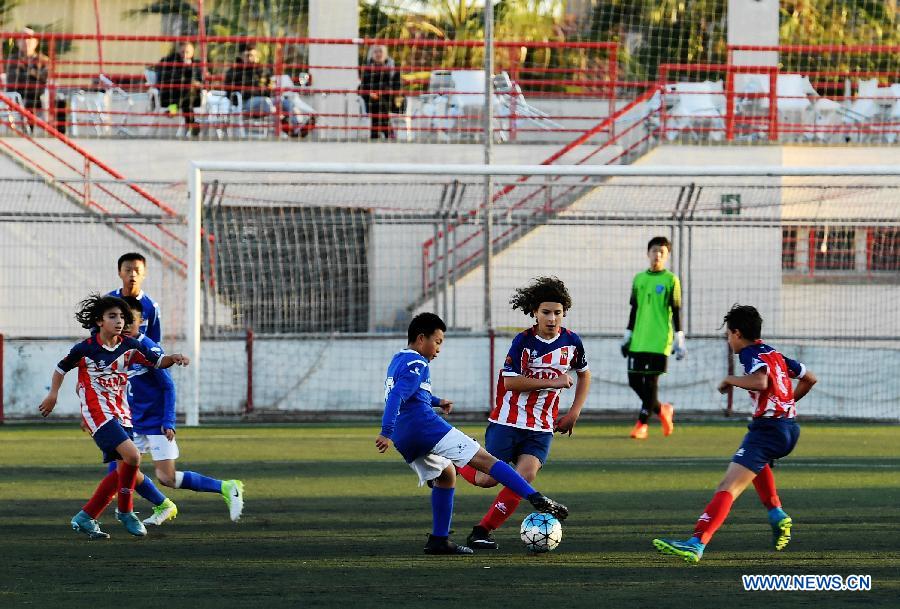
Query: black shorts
647	363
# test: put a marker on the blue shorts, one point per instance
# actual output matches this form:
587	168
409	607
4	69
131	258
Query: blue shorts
110	435
767	440
508	443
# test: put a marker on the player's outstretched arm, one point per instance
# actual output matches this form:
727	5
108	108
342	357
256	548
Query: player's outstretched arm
167	361
804	385
49	402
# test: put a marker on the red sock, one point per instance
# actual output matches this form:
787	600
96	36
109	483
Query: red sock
765	487
127	480
713	516
504	506
468	473
103	496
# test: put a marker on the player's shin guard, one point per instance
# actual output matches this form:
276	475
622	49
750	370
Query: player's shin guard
765	488
713	516
127	480
504	505
102	496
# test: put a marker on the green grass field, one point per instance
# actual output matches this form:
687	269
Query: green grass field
329	522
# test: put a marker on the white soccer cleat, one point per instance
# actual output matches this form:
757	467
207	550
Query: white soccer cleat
233	492
166	510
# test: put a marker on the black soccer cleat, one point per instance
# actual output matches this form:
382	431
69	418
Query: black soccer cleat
442	545
481	539
548	506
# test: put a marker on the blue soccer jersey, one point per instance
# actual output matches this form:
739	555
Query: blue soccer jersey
409	419
777	400
150	326
151	394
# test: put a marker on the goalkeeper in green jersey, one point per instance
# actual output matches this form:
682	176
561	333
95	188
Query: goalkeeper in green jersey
653	333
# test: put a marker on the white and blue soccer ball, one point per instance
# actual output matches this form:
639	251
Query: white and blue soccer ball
541	532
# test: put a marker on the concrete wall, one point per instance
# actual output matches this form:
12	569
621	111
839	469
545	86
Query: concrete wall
851	386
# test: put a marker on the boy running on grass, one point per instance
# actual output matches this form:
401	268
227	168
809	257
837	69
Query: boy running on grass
102	361
772	434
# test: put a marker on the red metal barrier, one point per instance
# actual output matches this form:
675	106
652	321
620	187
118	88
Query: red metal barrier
595	75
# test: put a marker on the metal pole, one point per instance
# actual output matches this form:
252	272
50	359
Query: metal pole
192	318
489	183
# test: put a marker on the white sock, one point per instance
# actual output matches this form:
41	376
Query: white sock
179	476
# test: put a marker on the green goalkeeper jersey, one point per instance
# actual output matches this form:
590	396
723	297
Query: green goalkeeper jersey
654	294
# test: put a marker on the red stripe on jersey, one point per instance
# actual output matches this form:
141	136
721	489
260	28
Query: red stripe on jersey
529	407
498	402
550	406
547	359
95	416
513	414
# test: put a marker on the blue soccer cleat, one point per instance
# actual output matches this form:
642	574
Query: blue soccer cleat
689	550
132	523
781	531
83	523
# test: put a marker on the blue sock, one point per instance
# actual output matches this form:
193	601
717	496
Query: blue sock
776	514
441	510
200	483
148	491
510	478
113	465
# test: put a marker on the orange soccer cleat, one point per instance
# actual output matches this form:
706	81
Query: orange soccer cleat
666	414
639	432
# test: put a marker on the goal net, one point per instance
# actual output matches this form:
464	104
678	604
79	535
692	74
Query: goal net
302	278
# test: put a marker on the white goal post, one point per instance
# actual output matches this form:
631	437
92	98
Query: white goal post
783	237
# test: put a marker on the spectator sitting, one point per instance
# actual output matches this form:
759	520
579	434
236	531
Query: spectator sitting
252	80
180	80
26	70
255	81
380	90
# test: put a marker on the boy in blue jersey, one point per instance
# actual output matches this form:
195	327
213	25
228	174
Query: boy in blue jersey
431	446
772	434
151	393
132	271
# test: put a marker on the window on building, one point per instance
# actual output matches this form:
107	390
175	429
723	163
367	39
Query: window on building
884	249
834	249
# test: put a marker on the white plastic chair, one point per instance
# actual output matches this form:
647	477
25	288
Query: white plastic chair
511	102
453	107
10	118
871	104
128	111
696	105
88	113
893	114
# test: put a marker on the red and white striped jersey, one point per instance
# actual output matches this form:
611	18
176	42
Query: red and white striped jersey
777	400
103	377
534	357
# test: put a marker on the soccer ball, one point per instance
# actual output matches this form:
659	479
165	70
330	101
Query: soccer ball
541	532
